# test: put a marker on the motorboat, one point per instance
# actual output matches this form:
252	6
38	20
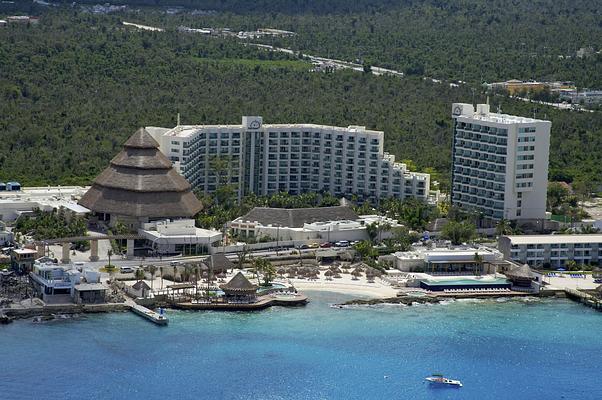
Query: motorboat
438	379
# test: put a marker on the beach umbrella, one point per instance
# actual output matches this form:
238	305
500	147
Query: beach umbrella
328	275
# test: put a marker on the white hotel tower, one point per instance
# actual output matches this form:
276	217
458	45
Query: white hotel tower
295	158
500	163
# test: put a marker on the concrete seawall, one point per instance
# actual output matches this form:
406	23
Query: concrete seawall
48	310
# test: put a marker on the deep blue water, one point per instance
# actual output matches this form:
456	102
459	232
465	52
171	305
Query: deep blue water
514	350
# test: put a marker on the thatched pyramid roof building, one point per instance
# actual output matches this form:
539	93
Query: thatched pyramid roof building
521	275
141	182
239	285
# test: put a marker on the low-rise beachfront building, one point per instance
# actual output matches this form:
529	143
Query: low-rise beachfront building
138	289
22	260
324	224
461	260
24	200
296	158
552	251
61	284
178	237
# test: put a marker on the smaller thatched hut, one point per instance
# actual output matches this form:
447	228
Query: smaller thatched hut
239	288
521	276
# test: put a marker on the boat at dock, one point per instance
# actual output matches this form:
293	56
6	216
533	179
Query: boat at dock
438	379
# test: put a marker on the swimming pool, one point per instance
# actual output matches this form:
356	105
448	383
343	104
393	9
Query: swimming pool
274	286
438	285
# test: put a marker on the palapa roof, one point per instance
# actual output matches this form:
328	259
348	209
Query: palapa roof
297	217
141	182
238	284
218	262
141	285
521	272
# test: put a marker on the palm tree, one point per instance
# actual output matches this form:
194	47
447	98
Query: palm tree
109	254
503	227
139	275
161	274
152	269
478	259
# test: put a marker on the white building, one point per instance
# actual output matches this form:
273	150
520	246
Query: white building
313	225
552	251
294	158
500	163
324	224
15	203
448	260
61	284
179	236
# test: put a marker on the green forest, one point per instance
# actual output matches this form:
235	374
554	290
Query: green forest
75	86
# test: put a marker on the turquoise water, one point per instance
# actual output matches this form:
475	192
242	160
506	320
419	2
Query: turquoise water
512	350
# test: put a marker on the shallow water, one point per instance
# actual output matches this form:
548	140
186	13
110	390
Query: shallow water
532	349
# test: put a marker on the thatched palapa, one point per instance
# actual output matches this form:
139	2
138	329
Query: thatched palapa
239	285
141	182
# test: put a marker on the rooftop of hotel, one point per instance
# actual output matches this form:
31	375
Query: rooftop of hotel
482	113
189	130
422	252
554	239
504	118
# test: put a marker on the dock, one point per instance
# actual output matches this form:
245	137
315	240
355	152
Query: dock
150	315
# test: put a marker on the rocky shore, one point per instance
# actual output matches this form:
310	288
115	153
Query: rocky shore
405	300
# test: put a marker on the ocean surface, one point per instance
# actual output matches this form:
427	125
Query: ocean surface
540	349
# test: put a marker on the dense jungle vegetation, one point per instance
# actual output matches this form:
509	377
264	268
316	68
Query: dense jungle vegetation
75	86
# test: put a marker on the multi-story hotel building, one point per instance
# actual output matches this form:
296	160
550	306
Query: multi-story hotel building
500	163
552	250
295	158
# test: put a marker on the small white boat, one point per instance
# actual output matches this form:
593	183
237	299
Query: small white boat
438	379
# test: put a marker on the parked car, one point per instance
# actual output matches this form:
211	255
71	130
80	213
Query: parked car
314	245
326	245
342	243
126	270
304	246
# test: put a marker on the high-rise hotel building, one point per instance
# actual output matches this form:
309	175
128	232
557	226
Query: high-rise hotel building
500	163
295	158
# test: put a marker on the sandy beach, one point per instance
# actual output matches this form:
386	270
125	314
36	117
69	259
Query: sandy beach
346	285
